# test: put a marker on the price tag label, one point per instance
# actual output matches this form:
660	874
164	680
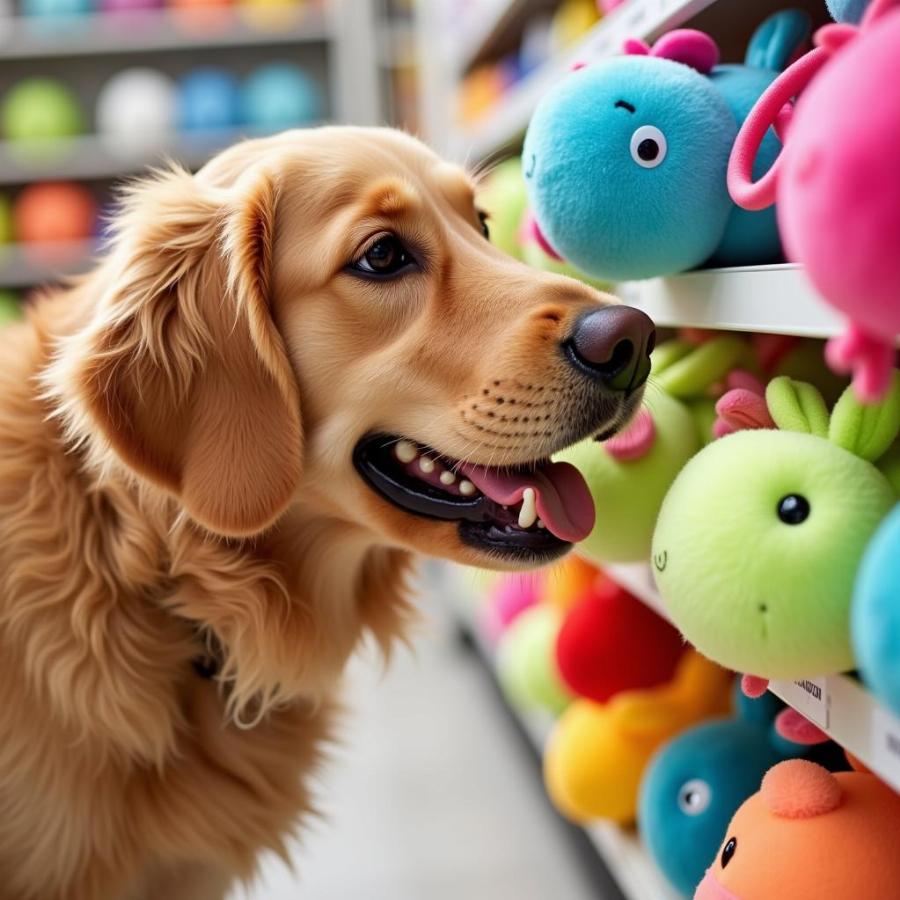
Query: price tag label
886	746
808	696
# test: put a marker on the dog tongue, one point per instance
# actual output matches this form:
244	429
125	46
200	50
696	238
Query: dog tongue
563	500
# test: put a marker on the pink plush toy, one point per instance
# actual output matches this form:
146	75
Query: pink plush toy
837	183
509	597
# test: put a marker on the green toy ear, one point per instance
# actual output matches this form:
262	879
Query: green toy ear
667	354
797	406
867	431
692	373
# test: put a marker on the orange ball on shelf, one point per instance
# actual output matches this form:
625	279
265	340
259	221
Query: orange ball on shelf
201	16
54	213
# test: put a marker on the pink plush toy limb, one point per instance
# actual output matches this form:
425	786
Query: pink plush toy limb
530	230
794	727
870	359
744	191
635	441
753	686
741	409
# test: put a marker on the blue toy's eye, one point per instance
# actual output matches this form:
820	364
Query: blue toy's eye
648	146
694	797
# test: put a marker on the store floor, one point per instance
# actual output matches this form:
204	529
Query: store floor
430	797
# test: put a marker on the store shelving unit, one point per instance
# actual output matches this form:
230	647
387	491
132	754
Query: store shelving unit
22	266
336	41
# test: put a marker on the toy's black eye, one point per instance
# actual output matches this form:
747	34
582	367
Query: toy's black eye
483	218
648	146
728	851
793	509
386	256
694	797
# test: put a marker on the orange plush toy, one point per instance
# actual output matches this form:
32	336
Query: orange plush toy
810	835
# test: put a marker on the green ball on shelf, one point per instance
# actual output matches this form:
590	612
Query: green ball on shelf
41	113
10	307
526	662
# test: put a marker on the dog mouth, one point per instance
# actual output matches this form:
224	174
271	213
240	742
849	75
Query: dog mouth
533	512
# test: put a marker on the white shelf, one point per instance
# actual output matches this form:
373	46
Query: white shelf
777	299
624	855
146	31
504	123
846	711
91	156
23	266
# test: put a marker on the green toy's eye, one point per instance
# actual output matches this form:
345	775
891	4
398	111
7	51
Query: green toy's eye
728	851
694	797
793	509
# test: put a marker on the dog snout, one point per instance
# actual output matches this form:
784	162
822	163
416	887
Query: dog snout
613	345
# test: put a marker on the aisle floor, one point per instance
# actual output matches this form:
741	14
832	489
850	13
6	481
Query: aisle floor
430	797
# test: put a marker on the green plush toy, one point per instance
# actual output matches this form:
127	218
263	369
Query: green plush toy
630	474
526	661
759	539
10	307
502	196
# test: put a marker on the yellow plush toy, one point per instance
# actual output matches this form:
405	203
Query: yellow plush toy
598	752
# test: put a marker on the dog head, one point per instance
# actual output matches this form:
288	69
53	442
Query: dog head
318	320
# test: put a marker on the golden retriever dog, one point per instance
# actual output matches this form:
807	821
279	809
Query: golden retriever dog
219	451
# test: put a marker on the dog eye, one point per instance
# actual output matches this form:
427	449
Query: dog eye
385	256
483	218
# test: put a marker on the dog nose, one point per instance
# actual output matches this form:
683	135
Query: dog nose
613	344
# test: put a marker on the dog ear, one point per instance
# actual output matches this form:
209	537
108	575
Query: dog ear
183	370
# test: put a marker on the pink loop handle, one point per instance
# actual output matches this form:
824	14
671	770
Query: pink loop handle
744	191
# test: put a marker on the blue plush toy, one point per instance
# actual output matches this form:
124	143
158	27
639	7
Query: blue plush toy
850	11
625	160
697	781
875	614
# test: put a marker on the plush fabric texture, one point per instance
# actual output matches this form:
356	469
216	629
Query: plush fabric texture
502	196
695	784
846	852
597	753
526	662
632	222
750	591
875	619
628	493
611	642
800	790
620	217
509	596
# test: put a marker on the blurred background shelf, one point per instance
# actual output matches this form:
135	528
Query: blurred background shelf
26	265
152	31
93	157
778	299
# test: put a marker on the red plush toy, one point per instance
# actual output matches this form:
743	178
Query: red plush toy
610	642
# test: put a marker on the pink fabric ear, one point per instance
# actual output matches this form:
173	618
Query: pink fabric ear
870	359
689	47
635	441
798	729
741	410
744	191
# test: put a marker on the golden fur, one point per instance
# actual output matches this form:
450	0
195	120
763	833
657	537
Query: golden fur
175	478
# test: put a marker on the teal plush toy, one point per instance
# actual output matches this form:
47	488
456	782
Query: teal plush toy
697	781
625	159
875	620
759	539
850	11
629	475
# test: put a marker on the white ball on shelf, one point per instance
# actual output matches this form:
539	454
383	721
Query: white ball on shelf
136	110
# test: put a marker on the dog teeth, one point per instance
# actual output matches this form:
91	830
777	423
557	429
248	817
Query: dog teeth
405	451
447	477
528	512
466	488
426	465
540	524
